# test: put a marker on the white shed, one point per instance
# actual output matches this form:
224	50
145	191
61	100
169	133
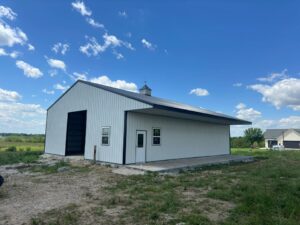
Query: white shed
128	127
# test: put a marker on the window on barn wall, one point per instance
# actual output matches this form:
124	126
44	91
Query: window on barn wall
105	139
156	136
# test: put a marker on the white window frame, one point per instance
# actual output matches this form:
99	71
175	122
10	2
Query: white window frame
153	128
106	135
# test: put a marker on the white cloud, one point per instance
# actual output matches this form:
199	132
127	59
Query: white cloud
148	44
9	96
274	76
199	92
60	48
92	47
58	64
31	47
13	54
94	23
245	113
121	84
49	92
6	12
237	85
282	123
285	92
80	7
29	70
110	41
11	36
61	87
19	117
79	76
118	55
122	14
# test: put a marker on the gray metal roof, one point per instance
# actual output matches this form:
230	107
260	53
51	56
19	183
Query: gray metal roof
167	104
164	104
275	133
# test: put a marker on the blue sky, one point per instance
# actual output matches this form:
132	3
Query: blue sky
236	57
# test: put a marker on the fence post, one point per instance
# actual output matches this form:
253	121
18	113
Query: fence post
95	153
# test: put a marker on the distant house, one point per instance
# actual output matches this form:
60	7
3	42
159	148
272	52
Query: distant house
128	127
289	138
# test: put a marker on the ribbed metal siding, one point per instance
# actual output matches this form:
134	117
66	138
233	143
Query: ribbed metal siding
103	109
180	138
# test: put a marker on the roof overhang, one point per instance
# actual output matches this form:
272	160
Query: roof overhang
184	114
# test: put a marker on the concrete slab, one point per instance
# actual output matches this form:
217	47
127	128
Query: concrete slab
182	164
128	171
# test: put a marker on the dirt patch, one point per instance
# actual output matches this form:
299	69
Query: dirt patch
25	195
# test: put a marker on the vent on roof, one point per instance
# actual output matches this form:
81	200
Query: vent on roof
145	90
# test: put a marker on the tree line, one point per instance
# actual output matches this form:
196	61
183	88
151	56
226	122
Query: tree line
252	138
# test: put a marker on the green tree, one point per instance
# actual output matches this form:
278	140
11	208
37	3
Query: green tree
253	135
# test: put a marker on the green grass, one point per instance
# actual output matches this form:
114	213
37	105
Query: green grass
264	192
7	157
17	152
21	146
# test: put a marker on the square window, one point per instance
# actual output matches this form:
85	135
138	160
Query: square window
156	140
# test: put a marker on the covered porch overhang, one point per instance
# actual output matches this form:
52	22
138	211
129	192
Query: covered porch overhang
192	115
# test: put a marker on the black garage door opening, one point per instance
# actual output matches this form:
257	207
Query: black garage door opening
76	127
291	144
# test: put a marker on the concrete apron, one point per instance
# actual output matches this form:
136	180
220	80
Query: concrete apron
176	165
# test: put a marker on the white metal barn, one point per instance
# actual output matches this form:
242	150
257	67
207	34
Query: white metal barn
129	127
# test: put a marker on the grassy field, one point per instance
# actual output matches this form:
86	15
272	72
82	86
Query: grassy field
264	192
19	151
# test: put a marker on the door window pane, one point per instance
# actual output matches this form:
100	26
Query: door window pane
140	140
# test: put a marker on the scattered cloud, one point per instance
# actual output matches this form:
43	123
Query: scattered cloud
93	23
31	47
13	54
274	77
199	92
6	12
57	64
110	41
80	7
121	84
79	76
247	113
11	36
118	55
52	73
29	70
148	44
285	92
61	87
122	14
237	85
49	92
282	123
9	96
60	48
18	117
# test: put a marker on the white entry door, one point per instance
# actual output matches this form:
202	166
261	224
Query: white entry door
140	150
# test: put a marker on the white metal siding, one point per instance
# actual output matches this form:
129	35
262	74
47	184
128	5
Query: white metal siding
180	138
103	109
